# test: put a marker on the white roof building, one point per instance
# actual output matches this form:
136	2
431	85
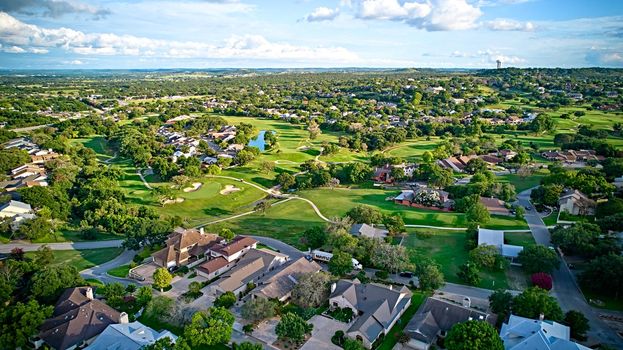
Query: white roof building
13	208
525	333
496	239
128	336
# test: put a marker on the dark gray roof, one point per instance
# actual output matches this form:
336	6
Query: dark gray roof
367	231
440	315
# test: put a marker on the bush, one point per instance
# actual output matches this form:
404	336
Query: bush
542	280
381	274
338	338
226	300
247	328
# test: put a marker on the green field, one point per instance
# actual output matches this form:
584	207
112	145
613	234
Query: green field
336	202
119	271
84	259
523	239
286	222
447	248
522	184
412	150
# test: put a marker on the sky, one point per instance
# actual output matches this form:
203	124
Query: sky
130	34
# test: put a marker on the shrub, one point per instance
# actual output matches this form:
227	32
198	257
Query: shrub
542	280
381	274
338	338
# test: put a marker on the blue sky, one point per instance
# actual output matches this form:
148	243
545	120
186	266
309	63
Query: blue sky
84	34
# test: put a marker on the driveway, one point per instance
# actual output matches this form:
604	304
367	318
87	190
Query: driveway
265	331
535	222
324	328
99	272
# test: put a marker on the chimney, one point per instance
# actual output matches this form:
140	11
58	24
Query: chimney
123	318
201	230
467	302
541	317
89	293
333	286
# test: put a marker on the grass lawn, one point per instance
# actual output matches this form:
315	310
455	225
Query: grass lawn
286	222
94	282
447	248
551	219
609	303
97	143
67	235
413	150
336	202
84	259
523	239
120	271
391	338
522	184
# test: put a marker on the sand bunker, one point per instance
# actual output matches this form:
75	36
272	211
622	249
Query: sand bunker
172	201
194	187
303	148
229	189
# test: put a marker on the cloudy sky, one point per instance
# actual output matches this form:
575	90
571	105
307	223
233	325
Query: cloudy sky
310	33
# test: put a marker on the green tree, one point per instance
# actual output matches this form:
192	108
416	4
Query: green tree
341	263
286	181
160	308
262	206
391	258
246	346
312	289
604	275
429	276
365	214
143	295
209	328
227	234
315	237
293	328
533	302
473	335
578	323
501	302
48	283
478	213
352	344
394	224
21	321
194	288
538	258
487	256
225	300
468	273
257	309
162	278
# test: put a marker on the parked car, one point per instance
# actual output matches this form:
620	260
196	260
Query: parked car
406	274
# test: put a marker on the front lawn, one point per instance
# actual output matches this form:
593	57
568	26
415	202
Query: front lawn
522	184
524	239
84	259
447	248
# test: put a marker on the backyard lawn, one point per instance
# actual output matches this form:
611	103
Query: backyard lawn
84	259
447	248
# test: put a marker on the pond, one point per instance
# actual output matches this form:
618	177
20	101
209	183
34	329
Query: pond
258	141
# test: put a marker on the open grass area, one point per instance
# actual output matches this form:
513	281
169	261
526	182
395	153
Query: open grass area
286	222
448	249
67	235
391	338
336	202
120	271
413	150
551	219
605	302
522	184
84	259
98	144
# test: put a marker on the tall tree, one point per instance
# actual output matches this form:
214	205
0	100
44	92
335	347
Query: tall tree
293	328
538	258
162	278
311	290
534	301
19	322
211	327
473	335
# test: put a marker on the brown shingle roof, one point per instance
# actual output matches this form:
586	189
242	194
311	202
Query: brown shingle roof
237	244
76	318
213	265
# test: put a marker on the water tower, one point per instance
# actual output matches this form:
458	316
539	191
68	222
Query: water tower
499	63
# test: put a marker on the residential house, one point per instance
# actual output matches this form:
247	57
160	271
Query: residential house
377	307
575	202
495	206
423	196
279	286
43	156
366	230
214	267
571	156
252	266
77	319
435	318
383	174
13	208
128	336
184	246
233	250
524	333
506	154
496	239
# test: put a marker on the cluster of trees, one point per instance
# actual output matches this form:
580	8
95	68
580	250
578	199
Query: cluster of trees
319	175
29	287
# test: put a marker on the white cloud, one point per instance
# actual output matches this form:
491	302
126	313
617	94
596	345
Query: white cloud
432	15
13	49
74	62
322	14
52	8
604	57
16	33
505	24
493	56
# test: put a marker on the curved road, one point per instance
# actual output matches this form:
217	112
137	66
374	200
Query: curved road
99	272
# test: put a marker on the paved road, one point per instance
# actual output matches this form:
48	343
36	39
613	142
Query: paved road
535	222
99	272
284	248
566	290
28	247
